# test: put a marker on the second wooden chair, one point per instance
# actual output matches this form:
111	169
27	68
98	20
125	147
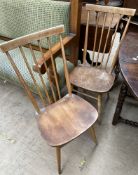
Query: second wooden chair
99	77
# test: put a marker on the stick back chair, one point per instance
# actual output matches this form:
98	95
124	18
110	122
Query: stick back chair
62	119
99	76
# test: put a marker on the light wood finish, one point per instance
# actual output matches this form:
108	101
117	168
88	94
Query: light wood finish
41	78
86	39
99	106
99	77
92	133
109	9
92	79
65	68
62	119
66	119
21	79
12	44
101	16
58	153
27	46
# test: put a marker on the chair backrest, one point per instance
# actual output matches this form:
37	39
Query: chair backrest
106	17
48	92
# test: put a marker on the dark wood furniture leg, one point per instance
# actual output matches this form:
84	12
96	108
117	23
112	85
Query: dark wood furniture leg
117	118
122	95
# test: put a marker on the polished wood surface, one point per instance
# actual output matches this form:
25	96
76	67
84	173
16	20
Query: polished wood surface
128	59
66	119
92	79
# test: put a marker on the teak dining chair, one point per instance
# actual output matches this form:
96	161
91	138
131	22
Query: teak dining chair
99	77
65	118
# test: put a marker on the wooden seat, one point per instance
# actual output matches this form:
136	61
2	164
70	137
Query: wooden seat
97	80
62	121
65	118
99	77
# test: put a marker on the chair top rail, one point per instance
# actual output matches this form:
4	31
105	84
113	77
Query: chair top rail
10	45
109	9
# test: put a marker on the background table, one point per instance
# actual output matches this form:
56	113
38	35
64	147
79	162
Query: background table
128	61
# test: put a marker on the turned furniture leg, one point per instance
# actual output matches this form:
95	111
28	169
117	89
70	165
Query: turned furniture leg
122	95
58	153
92	133
99	107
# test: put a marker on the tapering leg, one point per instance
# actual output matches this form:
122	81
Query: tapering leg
92	133
99	107
58	153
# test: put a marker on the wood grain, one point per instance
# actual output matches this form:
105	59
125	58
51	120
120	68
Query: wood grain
12	44
92	79
128	59
67	119
101	18
110	9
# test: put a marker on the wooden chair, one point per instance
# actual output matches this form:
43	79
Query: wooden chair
99	76
62	119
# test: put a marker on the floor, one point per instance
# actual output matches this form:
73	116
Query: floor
24	152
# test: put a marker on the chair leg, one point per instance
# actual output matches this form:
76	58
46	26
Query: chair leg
92	133
99	107
58	153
